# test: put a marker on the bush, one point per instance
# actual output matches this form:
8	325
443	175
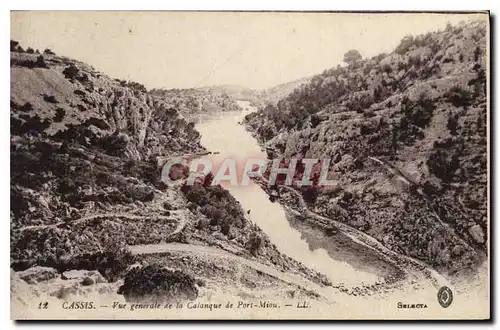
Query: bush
31	125
452	123
48	52
40	62
25	108
115	144
60	113
418	113
459	97
71	72
112	264
416	116
154	283
254	243
387	68
50	98
13	45
28	63
443	164
217	204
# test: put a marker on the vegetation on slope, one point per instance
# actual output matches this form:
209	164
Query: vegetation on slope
421	109
86	158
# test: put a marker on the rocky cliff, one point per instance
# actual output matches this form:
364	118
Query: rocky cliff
85	187
407	136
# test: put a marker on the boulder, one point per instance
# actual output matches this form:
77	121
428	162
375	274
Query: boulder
38	274
477	233
85	277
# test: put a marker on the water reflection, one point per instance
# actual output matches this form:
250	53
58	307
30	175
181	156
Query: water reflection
223	133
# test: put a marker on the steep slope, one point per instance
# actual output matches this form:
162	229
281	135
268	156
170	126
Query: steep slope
86	157
407	136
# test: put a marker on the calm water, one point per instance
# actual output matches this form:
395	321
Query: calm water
223	133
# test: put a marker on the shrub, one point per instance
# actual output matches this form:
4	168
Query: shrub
310	194
459	97
416	116
71	72
48	51
387	68
418	113
13	45
154	283
83	78
50	98
40	62
29	63
33	125
60	113
115	144
452	123
477	53
478	83
217	204
25	108
443	164
254	243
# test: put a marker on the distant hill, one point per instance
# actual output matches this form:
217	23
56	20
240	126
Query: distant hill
260	97
192	101
274	94
235	92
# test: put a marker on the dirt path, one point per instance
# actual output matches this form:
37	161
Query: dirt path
327	292
125	216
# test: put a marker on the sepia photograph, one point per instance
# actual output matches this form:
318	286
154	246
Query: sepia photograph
249	165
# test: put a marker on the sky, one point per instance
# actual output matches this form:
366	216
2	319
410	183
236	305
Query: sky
195	49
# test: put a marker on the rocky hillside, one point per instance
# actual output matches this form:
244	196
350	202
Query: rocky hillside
85	188
407	136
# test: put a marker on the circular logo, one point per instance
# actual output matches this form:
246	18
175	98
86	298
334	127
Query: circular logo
445	296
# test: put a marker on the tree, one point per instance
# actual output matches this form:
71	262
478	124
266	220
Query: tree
13	45
405	44
352	57
71	72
